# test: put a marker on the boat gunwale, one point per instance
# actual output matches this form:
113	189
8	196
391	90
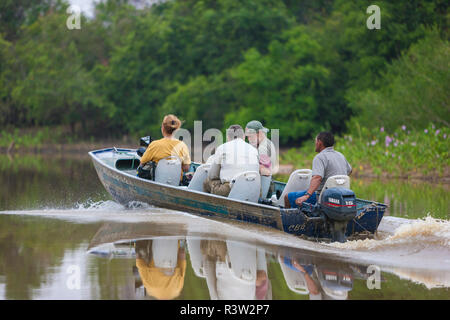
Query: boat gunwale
150	182
276	208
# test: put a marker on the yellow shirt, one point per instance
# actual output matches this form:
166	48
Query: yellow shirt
166	147
160	285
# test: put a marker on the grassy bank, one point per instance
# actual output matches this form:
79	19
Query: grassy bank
57	139
402	153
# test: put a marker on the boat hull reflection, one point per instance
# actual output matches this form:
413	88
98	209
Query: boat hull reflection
232	269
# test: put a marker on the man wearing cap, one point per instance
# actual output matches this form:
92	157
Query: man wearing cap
230	159
327	163
268	162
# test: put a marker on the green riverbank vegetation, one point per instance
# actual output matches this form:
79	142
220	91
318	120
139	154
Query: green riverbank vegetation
298	66
379	152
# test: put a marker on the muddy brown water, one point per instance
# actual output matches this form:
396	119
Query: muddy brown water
62	237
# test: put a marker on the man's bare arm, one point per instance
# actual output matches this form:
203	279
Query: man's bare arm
314	184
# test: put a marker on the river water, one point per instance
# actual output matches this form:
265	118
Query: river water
62	237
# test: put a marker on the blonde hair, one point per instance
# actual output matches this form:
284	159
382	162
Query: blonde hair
171	123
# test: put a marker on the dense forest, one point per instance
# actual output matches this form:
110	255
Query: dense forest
298	66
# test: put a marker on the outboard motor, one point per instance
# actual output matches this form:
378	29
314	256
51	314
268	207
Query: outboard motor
146	171
338	207
336	281
144	142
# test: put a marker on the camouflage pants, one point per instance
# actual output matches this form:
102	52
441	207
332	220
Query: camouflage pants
215	186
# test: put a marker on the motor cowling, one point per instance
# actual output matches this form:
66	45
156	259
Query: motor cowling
144	142
338	206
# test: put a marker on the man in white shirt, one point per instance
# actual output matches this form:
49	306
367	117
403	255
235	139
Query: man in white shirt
231	158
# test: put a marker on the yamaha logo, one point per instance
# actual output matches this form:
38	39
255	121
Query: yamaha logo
333	200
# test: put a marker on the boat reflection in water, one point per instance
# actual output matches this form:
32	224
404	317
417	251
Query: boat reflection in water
161	267
232	269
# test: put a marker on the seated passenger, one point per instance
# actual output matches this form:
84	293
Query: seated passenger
162	283
231	158
327	163
256	135
168	145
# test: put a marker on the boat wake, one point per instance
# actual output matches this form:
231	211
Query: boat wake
419	243
416	243
424	231
91	205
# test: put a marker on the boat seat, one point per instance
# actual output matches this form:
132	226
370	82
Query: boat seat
299	180
241	260
195	254
338	181
168	171
246	186
265	185
165	252
295	280
199	177
228	286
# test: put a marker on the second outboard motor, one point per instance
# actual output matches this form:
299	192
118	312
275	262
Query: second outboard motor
144	142
338	207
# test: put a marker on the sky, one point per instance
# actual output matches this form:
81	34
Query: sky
86	6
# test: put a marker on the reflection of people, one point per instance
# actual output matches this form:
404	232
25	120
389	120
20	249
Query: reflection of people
321	282
235	271
168	145
327	163
161	264
231	158
307	274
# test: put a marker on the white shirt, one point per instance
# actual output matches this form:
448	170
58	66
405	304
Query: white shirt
235	157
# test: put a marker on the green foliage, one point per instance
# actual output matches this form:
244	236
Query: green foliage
397	153
298	66
14	14
183	40
32	139
56	88
206	96
414	91
363	53
284	87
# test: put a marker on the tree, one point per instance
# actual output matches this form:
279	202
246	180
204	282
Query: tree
54	86
285	88
414	89
177	41
15	13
